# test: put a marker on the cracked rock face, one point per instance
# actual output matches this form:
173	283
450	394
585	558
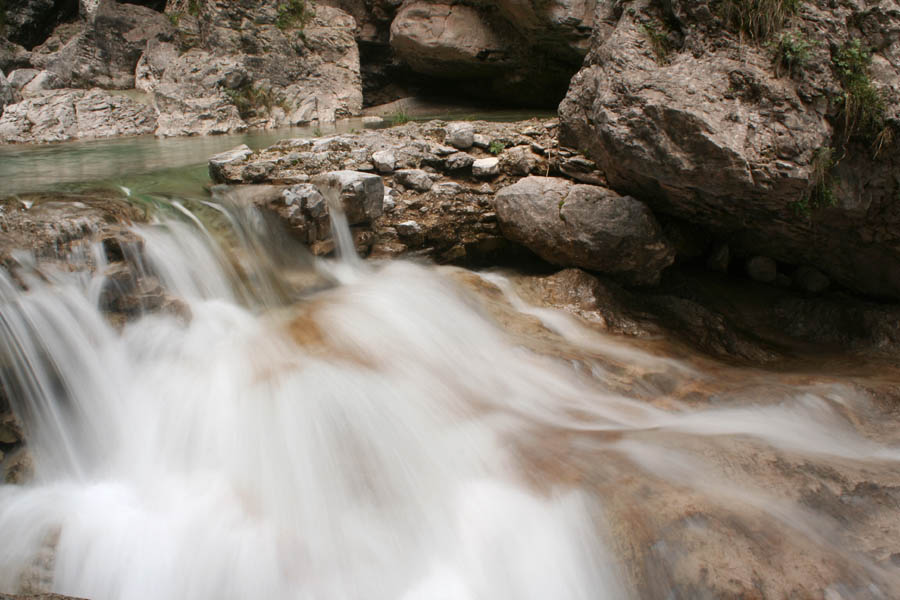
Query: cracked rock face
712	132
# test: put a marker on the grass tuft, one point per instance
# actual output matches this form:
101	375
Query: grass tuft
758	19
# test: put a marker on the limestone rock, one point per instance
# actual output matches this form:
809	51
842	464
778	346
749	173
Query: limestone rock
460	135
520	160
459	161
8	94
152	64
485	168
415	179
69	114
20	77
218	163
384	160
585	226
361	194
43	81
713	134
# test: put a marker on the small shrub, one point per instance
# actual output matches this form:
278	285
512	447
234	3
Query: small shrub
174	18
252	101
294	14
863	106
496	147
659	42
820	190
399	117
758	19
194	8
792	52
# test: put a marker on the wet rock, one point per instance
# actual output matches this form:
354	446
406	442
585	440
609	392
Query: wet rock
811	280
219	163
485	168
460	135
415	179
586	226
361	194
762	269
69	114
411	233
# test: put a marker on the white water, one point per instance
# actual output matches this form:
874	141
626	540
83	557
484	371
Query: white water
355	442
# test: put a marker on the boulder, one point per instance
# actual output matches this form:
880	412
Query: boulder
70	114
521	161
586	226
485	168
704	128
762	269
153	62
414	179
460	135
361	194
384	160
459	161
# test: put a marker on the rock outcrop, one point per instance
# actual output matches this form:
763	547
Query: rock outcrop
71	114
586	226
703	119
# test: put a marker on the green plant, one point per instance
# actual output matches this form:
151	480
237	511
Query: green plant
399	117
174	18
194	8
659	42
863	105
758	19
252	101
820	188
317	132
294	14
496	147
792	52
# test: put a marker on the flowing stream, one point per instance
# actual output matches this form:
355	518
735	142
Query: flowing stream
289	427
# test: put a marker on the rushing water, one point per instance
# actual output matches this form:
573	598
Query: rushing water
286	427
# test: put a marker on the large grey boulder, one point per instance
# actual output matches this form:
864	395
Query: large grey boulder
43	81
20	77
70	114
705	129
361	194
585	226
219	163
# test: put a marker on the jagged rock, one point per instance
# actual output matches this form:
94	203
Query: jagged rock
192	97
152	64
762	269
69	114
43	81
384	160
520	160
361	194
20	77
13	56
219	162
411	233
460	135
415	179
105	52
811	279
713	134
586	226
459	161
8	94
485	168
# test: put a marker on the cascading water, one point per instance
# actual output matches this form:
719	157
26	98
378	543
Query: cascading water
289	431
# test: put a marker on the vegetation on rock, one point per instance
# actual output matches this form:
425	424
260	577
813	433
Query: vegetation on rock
252	101
792	53
863	105
294	14
758	19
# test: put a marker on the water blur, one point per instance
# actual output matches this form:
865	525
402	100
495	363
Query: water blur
287	427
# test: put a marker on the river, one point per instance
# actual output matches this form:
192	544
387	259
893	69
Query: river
326	429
